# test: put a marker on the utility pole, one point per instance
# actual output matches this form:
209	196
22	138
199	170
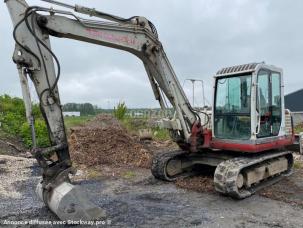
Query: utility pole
193	81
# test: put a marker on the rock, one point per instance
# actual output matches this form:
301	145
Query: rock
28	155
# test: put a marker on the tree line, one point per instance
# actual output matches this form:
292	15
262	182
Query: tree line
85	109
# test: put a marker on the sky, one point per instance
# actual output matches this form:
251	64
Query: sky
199	37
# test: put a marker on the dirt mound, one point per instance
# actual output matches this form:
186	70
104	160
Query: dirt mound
10	145
104	141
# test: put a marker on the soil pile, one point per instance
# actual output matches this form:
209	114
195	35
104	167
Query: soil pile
104	141
10	145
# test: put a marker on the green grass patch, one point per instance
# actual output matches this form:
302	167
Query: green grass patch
73	121
41	132
298	128
3	135
161	134
14	123
94	174
128	175
297	165
133	125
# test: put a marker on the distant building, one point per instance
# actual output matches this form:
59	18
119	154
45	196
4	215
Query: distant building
138	114
294	101
71	113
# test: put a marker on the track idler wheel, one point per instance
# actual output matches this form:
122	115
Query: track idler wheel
167	166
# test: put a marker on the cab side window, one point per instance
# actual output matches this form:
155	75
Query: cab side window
269	103
276	108
263	104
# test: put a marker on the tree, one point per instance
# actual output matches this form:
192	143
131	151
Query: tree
84	109
120	111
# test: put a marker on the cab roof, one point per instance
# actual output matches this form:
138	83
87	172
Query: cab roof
245	68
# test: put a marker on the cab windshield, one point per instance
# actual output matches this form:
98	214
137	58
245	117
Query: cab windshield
232	107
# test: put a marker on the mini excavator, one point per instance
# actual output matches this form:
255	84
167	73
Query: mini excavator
245	137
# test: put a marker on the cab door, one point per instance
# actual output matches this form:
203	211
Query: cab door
269	103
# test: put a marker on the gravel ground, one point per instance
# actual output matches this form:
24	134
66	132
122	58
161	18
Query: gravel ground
138	200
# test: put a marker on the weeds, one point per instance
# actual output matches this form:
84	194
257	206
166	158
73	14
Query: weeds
297	165
13	121
128	175
161	134
133	125
93	174
72	121
298	128
120	111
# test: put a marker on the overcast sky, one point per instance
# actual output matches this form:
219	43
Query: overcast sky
199	37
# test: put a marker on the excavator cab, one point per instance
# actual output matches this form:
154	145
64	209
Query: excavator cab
248	110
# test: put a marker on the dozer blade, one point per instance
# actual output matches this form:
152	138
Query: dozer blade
70	202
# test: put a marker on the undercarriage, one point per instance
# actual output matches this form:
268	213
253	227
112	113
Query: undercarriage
236	175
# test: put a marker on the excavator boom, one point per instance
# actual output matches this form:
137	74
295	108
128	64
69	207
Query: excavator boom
36	61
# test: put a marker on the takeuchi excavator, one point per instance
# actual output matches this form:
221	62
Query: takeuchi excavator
245	136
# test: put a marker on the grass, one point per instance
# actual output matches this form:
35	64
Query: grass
3	134
298	128
161	134
94	174
133	125
6	149
297	165
128	175
72	121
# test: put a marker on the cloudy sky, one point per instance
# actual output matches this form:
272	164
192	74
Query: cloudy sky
199	37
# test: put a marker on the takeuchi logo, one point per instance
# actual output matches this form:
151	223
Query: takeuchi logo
123	39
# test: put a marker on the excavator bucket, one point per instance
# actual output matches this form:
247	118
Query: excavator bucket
70	202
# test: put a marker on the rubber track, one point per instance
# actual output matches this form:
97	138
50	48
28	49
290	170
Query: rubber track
226	174
159	164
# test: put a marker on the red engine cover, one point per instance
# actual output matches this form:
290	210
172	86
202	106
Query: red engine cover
252	146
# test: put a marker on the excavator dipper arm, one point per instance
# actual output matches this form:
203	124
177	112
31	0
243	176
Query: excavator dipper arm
35	59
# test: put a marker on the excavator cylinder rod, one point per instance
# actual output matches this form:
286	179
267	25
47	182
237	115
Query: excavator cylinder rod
59	4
